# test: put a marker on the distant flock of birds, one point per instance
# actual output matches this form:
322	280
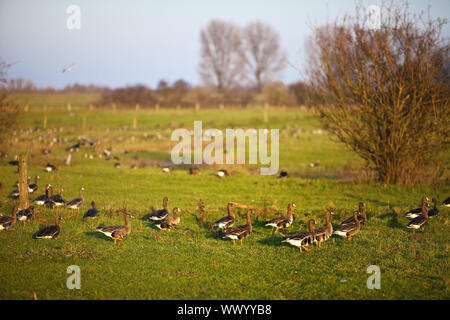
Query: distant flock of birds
163	221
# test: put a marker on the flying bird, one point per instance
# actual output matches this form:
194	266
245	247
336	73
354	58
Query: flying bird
68	68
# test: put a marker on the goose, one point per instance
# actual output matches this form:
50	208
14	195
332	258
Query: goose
349	230
92	212
446	202
77	202
323	233
420	221
7	222
14	194
411	214
56	200
433	211
194	171
283	221
240	232
33	187
226	221
26	214
283	174
314	164
50	232
117	233
222	173
361	216
301	239
169	222
161	213
43	198
50	167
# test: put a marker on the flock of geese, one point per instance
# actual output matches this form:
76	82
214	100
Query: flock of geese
224	226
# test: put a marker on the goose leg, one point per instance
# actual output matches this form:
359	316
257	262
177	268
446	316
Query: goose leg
300	249
234	242
276	230
306	249
241	242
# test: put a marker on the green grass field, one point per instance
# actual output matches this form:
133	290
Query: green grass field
190	262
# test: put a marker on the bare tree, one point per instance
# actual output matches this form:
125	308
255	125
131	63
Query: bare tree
222	56
8	108
385	92
265	57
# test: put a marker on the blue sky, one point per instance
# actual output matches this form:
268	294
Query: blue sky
126	42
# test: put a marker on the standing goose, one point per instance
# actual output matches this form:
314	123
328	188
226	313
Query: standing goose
433	211
117	233
349	230
33	187
7	222
323	233
169	222
43	198
56	200
240	232
50	232
227	221
446	202
301	239
420	221
282	221
92	212
26	214
411	214
361	216
161	213
77	202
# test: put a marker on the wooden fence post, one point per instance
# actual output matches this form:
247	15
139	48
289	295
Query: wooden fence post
23	182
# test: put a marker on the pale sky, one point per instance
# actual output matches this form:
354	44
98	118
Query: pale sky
126	42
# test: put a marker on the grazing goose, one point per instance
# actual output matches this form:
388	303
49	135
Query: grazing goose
50	232
433	211
283	174
283	221
14	194
323	233
222	173
43	198
7	222
411	214
33	187
361	216
240	232
56	200
77	202
161	213
301	239
420	221
92	212
169	222
446	202
194	171
50	167
227	221
117	233
26	214
349	230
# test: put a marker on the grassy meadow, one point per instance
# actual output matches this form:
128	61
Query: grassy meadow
191	262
